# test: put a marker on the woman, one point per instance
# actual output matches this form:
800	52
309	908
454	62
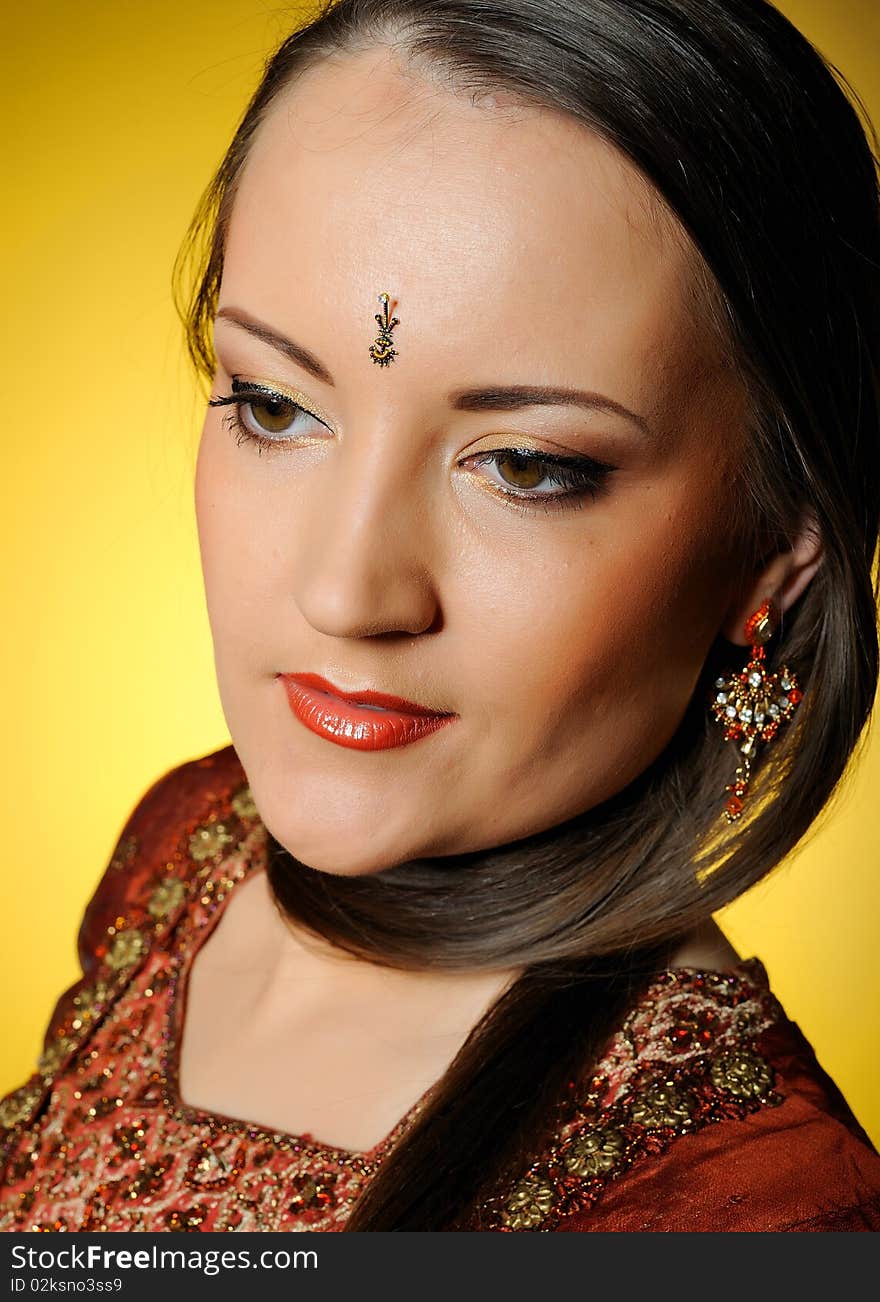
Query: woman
537	497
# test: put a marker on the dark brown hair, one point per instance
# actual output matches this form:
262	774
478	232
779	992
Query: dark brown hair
750	141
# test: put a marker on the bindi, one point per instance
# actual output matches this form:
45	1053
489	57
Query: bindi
382	350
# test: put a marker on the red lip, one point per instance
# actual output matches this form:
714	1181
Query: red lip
336	715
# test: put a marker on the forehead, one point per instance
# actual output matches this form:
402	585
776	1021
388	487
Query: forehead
499	228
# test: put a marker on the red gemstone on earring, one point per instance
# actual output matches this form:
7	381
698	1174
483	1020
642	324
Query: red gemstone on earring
734	805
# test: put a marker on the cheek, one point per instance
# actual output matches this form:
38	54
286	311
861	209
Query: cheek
211	492
211	485
610	627
228	519
584	669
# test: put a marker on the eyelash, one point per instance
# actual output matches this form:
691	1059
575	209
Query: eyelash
580	476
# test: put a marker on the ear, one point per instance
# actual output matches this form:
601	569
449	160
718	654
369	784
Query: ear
781	579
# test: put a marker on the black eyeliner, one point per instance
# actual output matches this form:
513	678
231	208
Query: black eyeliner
242	389
570	462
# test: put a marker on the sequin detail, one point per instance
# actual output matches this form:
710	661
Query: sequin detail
243	805
126	948
683	1059
99	1138
207	842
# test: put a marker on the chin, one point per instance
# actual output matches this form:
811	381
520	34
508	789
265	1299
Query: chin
334	853
347	823
343	838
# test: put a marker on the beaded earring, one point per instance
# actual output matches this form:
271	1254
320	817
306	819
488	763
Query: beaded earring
752	705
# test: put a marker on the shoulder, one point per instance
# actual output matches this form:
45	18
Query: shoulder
183	819
193	821
711	1112
183	804
800	1164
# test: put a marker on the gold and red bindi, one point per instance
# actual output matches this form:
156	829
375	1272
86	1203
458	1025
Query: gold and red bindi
382	349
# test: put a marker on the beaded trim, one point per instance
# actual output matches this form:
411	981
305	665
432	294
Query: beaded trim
685	1058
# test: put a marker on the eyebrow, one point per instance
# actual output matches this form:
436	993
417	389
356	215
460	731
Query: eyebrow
509	397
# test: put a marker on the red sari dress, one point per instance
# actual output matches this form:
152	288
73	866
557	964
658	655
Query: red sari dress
708	1111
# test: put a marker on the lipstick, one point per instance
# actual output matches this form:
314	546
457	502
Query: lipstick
364	720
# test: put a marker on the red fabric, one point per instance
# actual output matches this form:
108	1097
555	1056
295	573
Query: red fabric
804	1166
746	1134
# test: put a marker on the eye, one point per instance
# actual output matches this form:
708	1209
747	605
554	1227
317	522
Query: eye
266	417
522	471
272	415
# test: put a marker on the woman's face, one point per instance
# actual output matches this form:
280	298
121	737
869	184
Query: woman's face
378	544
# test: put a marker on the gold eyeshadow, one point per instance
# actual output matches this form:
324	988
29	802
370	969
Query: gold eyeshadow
276	389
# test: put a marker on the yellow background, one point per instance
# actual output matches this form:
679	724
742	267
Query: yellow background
115	115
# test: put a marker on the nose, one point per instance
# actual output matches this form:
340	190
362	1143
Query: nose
364	553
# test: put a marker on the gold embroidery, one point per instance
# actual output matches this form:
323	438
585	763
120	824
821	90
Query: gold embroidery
166	897
208	841
312	1191
594	1152
688	1053
529	1204
661	1105
185	1221
129	1140
127	948
89	997
243	804
149	1179
54	1054
683	1059
213	1167
19	1104
742	1073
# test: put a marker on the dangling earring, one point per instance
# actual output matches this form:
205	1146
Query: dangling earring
752	704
